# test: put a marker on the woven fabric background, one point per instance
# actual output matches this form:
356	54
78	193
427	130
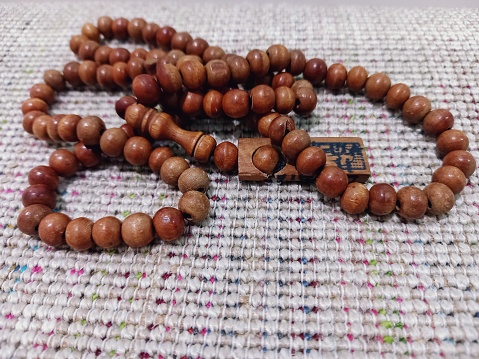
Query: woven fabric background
276	270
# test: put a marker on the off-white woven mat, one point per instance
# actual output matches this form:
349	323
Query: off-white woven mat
276	270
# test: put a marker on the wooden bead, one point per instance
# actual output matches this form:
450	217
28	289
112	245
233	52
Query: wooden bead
355	198
451	176
67	127
146	90
278	57
462	160
279	128
135	28
135	67
169	224
157	157
39	127
102	55
90	129
91	32
306	100
411	202
332	181
76	41
285	100
63	162
377	86
213	53
315	71
301	83
34	104
193	74
29	218
397	95
70	72
122	104
137	150
39	194
382	199
196	47
164	35
262	99
119	27
78	234
43	92
52	127
193	179
440	198
437	121
282	79
297	62
415	109
87	72
204	148
294	143
52	228
87	156
191	103
54	79
113	141
104	76
179	40
120	74
357	78
137	230
44	175
130	132
87	50
106	232
452	140
218	73
239	68
335	77
172	168
169	77
265	121
104	25
194	205
265	159
213	104
149	33
29	119
310	161
236	103
226	157
258	62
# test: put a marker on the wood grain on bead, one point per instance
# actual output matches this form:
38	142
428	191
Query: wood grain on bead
52	228
397	95
279	57
265	159
54	79
297	62
30	217
285	100
279	128
179	40
70	71
169	77
78	234
29	119
204	148
310	161
135	28
113	141
137	150
43	92
67	127
146	90
355	198
193	74
87	50
191	103
265	121
52	127
411	202
218	73
196	47
34	104
39	194
336	77
236	103
91	31
452	177
415	109
135	67
104	24
40	127
452	140
437	121
262	99
213	104
258	62
315	71
194	205
294	143
63	162
382	199
440	198
89	130
332	181
239	68
193	179
106	232
44	175
164	35
306	100
102	55
157	157
282	79
169	224
462	160
137	230
172	168
226	157
87	156
213	53
377	86
357	77
119	28
87	72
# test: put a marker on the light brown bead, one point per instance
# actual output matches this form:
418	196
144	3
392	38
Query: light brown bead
315	71
52	127
294	143
43	175
194	205
87	72
415	109
137	230
462	160
119	27
265	159
451	176
78	234
157	157
279	128
34	104
43	92
377	86
169	224
104	76
87	50
193	74
137	150
87	156
120	74
279	57
240	69
397	95
76	41
102	55
440	198
236	103
357	78
297	62
265	121
39	127
179	40
172	168
135	28
70	72
29	218
29	118
90	129
258	62
67	127
135	67
146	90
262	99
91	32
355	198
39	194
437	121
106	232
310	161
193	179
169	77
218	73
196	47
411	202
226	157
382	199
306	100
213	104
452	140
63	162
52	228
213	53
332	181
54	79
113	141
104	25
335	77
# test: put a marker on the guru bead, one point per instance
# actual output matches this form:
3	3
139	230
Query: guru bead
355	198
78	234
52	229
193	179
411	202
194	205
137	230
440	198
332	181
169	223
30	217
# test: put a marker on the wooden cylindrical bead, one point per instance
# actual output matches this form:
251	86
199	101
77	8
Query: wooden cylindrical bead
87	156
310	161
172	168
194	205
332	181
462	160
89	130
137	150
315	71
226	157
137	230
78	234
44	175
440	198
451	176
357	78
382	199
335	77
63	162
169	224
415	109
106	232
29	218
437	121
113	141
451	140
52	228
294	143
265	159
355	198
39	194
157	157
411	202
397	95
193	179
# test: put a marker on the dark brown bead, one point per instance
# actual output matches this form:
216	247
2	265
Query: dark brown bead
43	175
452	140
332	181
258	62
294	143
279	57
240	69
279	128
120	74
119	54
87	50
265	121
137	230
122	104
29	118
191	103
141	53
179	40
146	90
29	218
451	176
213	53
236	103
164	35
226	157
310	161
54	79
63	162
415	109
218	73
262	99
301	83
357	78
397	95
104	76
193	74
67	127
169	77
411	202
157	157
377	86
90	129
113	141
169	224
119	28
148	33
170	101
87	73
382	199
193	179
285	100
52	228
355	198
196	47
135	28
297	63
91	32
43	92
194	205
306	100
70	72
87	156
39	194
130	132
462	160
34	104
78	234
335	77
39	127
106	232
437	121
440	198
213	104
315	71
52	127
104	25
135	67
282	79
265	159
137	150
76	41
172	168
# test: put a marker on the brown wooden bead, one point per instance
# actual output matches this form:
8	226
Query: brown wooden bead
213	53
264	123
226	157
193	179
122	104
54	79
146	90
191	103
240	69
265	159
315	71
29	118
440	198
70	72
52	127
104	25
306	100
89	130
196	47
462	160
415	109
297	63
282	79
279	128
218	73
76	41
137	230
382	199
87	156
411	202
452	140
310	161
332	181
78	234
39	194
91	31
157	157
193	74
301	83
451	176
185	58
179	40
377	86
262	99
164	35
279	57
258	62
63	162
169	224
169	77
43	92
172	168
148	33
135	67
335	77
355	198
137	150
294	143
29	218
102	55
43	175
119	28
135	28
194	205
104	76
39	127
397	95
120	74
119	54
437	121
213	104
141	53
87	50
357	78
130	132
34	104
52	228
236	103
113	141
285	100
67	127
106	232
87	72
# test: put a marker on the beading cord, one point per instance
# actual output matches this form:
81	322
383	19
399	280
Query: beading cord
189	78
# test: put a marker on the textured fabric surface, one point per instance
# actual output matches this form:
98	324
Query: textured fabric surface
276	270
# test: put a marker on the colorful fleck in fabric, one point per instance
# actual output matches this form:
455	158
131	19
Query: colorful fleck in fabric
276	271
